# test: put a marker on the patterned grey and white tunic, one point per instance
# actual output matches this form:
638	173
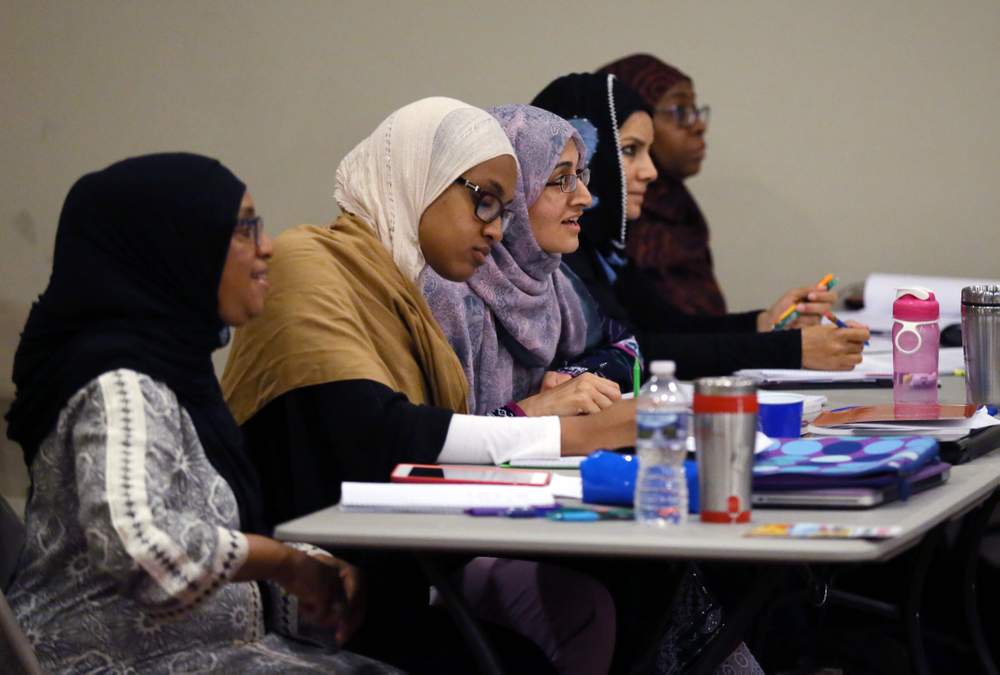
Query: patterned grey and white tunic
131	539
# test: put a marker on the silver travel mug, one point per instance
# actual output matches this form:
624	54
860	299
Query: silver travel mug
725	428
981	343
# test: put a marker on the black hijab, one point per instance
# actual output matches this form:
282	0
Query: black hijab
606	103
139	255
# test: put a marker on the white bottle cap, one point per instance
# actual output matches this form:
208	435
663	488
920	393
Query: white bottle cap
663	367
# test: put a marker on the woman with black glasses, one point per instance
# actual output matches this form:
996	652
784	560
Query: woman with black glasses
347	374
531	340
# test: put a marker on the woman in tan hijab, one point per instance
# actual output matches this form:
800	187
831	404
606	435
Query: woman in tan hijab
346	373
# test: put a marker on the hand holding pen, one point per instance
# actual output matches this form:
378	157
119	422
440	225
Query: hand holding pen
800	307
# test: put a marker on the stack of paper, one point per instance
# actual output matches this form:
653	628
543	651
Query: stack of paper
950	423
424	498
876	364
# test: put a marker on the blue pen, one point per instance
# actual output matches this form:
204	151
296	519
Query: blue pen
840	324
574	516
583	515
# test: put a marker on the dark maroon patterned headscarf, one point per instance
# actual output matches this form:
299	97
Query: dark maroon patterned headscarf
670	242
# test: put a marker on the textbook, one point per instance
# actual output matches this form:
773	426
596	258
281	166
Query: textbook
449	498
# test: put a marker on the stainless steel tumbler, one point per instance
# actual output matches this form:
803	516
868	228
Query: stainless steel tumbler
981	343
725	427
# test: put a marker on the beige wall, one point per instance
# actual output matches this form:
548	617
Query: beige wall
846	136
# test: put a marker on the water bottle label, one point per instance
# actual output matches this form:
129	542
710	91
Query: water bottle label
666	425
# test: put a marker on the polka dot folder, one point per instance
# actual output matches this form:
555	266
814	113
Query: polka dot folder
841	461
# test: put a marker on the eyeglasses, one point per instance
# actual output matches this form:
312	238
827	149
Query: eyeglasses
686	116
489	207
250	228
567	182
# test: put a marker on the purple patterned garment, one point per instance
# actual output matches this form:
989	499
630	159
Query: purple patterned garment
518	313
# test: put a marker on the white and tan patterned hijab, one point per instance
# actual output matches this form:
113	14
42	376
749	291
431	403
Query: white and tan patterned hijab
391	177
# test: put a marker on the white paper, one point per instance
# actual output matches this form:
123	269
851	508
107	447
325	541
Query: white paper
568	462
449	498
874	364
566	486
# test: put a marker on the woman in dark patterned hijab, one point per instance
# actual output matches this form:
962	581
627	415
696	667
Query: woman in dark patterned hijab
671	239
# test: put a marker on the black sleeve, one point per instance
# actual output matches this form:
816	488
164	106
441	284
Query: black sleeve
722	353
697	354
648	311
307	441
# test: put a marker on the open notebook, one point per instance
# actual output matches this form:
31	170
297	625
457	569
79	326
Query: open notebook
425	498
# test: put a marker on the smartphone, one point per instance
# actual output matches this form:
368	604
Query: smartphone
445	473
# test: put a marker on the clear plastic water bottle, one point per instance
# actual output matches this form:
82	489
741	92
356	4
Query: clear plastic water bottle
663	424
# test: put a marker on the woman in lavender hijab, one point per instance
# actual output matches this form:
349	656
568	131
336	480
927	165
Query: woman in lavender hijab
530	338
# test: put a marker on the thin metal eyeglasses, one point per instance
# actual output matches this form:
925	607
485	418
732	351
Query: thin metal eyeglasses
567	182
686	116
489	206
250	228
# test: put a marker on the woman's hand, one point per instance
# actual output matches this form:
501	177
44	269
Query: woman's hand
611	428
553	379
320	588
352	579
827	347
582	395
810	303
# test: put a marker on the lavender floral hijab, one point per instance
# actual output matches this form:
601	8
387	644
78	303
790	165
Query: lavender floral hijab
518	313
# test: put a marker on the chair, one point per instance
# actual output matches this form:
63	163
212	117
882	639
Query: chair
12	638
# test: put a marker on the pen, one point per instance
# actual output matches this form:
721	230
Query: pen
636	376
833	319
515	512
790	315
840	324
583	515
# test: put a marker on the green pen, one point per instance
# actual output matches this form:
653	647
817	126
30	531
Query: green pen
636	376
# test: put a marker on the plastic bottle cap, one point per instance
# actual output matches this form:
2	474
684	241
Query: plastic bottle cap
915	303
663	367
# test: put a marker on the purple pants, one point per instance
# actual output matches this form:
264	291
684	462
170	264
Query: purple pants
569	615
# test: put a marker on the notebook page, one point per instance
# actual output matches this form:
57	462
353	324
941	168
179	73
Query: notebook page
423	498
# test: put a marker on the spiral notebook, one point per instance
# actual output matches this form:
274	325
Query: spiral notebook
424	498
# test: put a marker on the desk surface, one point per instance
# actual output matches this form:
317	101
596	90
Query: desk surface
968	486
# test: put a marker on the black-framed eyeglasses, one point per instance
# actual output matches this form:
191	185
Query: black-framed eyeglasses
489	206
250	228
567	182
686	116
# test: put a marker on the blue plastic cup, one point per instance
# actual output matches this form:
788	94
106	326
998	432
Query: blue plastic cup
780	415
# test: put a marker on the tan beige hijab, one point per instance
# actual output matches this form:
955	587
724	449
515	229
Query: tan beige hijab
343	304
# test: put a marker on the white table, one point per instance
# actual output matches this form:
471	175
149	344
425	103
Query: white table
969	486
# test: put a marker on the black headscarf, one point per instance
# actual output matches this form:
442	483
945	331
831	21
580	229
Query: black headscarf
139	255
606	103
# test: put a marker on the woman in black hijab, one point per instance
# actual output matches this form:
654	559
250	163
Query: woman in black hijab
143	506
702	345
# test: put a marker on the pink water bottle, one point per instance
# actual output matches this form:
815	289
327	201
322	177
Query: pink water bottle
916	338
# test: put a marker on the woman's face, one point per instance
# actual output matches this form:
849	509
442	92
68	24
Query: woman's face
678	150
636	137
244	277
555	215
453	240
